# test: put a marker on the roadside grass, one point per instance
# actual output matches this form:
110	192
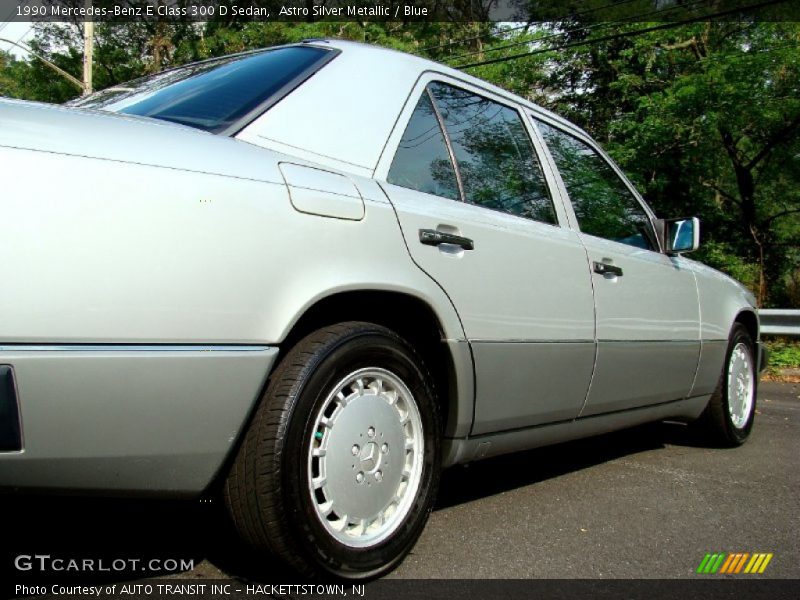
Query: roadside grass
784	353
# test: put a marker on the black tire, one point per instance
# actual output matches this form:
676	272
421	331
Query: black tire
715	425
267	491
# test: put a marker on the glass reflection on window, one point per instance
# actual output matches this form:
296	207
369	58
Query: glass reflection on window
422	162
603	204
495	157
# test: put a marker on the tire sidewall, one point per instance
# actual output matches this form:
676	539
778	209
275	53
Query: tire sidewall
368	347
739	435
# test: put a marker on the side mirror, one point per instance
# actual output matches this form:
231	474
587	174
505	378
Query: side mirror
680	235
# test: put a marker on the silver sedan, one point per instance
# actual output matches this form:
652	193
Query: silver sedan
320	273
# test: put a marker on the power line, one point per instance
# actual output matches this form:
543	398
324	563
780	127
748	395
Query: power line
725	57
470	39
637	32
24	33
750	54
17	43
8	17
661	111
485	35
580	29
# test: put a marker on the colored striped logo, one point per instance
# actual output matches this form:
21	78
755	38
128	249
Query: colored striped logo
738	562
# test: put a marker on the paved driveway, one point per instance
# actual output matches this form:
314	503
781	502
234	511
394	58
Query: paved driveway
647	502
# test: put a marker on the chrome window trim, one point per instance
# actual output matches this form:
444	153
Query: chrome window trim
447	141
420	87
585	138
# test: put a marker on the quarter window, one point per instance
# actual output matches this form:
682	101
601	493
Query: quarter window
603	204
422	162
495	157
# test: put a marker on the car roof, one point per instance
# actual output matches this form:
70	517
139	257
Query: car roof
343	115
390	55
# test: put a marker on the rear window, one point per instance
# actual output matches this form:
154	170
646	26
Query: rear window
213	95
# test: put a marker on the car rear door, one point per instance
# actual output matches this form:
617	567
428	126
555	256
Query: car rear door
648	320
473	201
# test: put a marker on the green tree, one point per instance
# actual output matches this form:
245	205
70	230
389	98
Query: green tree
705	118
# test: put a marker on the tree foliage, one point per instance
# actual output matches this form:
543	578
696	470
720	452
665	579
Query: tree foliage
706	119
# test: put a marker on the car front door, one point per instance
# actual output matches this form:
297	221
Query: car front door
472	199
648	321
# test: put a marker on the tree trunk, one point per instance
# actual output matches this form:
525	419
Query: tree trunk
748	219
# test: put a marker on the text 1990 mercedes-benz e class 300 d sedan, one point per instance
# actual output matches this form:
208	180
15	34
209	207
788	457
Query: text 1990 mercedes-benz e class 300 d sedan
317	274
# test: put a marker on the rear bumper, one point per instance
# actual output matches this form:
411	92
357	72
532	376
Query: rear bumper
143	419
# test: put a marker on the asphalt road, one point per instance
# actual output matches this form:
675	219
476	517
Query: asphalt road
644	503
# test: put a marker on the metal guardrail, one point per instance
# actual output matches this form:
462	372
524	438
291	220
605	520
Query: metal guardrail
780	321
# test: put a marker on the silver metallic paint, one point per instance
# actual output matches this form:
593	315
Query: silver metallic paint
521	384
709	367
630	374
196	262
319	192
152	420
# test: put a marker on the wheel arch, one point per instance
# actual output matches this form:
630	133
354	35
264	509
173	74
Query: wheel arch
749	319
413	318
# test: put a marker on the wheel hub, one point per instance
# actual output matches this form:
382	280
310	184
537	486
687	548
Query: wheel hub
370	457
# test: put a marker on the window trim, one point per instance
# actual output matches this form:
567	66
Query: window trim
447	142
445	137
581	136
549	175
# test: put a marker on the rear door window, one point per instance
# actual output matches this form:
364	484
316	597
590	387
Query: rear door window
495	157
460	145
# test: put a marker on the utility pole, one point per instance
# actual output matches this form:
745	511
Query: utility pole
88	50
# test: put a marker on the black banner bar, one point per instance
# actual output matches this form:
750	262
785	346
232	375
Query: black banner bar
397	589
232	11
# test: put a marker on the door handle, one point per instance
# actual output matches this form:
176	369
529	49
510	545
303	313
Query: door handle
607	269
433	237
